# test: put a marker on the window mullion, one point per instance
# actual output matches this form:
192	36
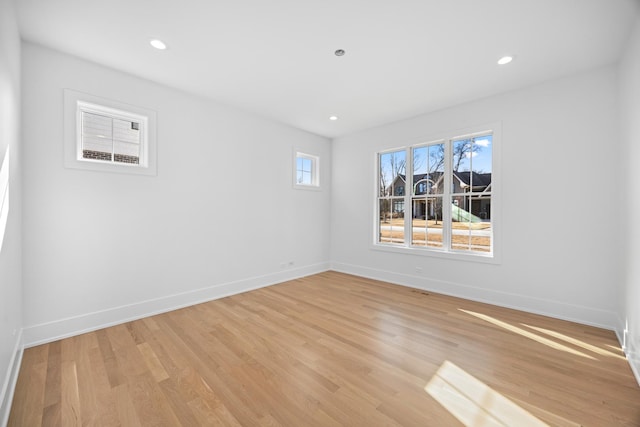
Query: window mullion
113	142
408	193
446	196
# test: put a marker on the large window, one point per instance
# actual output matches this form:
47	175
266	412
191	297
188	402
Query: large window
437	196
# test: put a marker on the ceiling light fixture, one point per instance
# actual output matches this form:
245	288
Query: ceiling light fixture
505	60
339	52
158	44
333	118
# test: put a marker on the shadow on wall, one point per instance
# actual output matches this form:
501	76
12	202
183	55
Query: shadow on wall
4	195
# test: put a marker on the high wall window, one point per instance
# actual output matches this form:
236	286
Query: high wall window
307	171
438	196
108	136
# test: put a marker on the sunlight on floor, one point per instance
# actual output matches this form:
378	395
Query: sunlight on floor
575	342
613	347
527	334
474	403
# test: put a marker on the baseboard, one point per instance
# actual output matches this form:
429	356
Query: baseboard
629	350
11	378
621	333
574	313
634	362
63	328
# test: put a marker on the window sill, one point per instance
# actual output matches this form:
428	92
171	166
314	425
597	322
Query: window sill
455	256
307	187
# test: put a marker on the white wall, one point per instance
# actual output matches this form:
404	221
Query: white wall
10	221
629	308
220	217
559	154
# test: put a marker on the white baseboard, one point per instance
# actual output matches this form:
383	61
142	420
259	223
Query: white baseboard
629	350
634	362
574	313
11	378
63	328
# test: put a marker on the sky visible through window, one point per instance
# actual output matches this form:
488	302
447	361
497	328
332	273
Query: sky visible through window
303	171
467	155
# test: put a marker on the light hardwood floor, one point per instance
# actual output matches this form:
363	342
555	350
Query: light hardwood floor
331	350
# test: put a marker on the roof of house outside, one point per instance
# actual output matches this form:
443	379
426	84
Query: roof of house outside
479	179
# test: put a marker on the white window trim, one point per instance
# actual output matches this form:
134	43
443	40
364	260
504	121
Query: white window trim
496	211
4	194
76	102
315	171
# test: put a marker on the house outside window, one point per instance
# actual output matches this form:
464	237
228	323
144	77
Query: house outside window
448	205
108	136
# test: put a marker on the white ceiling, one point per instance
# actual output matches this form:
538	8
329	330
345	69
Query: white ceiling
276	58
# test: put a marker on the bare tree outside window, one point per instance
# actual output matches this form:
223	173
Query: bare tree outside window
392	167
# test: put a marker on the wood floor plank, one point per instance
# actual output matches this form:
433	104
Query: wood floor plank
125	409
70	411
153	363
30	388
331	350
106	409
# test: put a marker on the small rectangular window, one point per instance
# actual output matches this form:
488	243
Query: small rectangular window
306	168
106	135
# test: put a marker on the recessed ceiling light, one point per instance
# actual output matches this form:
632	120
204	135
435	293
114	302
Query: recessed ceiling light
333	118
339	52
505	60
158	44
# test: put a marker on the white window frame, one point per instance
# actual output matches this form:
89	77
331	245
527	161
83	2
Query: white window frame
315	171
4	194
75	103
493	257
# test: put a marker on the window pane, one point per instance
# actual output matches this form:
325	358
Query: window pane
126	152
304	170
420	166
392	173
461	155
481	163
125	130
96	125
460	223
97	141
306	165
391	220
427	222
96	148
436	169
471	223
428	168
303	177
